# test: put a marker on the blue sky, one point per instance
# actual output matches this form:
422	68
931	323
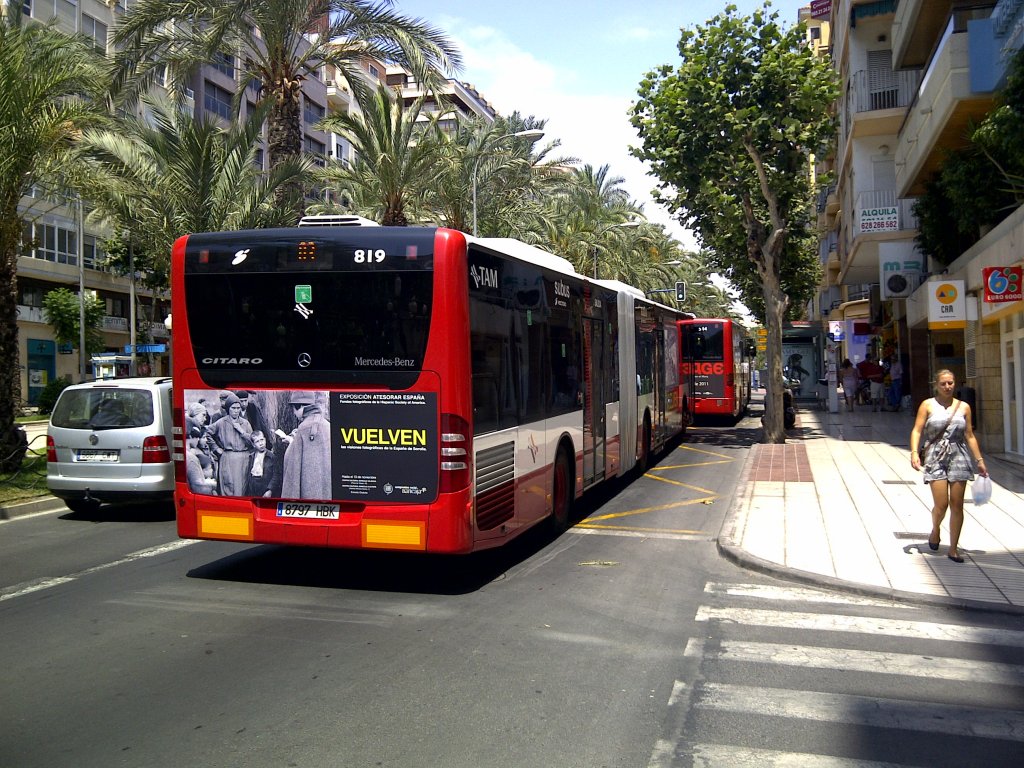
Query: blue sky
577	65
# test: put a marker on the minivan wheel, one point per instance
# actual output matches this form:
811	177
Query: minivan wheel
82	506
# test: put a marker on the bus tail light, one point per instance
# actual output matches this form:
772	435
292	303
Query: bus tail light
155	450
455	447
730	379
51	449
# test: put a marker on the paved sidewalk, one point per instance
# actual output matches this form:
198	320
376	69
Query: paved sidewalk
840	505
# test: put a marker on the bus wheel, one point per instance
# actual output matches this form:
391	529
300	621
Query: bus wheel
561	492
645	445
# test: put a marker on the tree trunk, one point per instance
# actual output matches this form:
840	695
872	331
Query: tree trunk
12	440
775	304
284	140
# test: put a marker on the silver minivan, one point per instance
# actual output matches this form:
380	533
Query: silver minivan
110	441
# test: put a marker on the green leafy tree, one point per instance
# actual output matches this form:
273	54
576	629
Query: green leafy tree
51	87
728	133
157	178
61	310
270	37
396	157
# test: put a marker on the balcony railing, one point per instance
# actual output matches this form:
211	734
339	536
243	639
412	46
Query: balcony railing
874	90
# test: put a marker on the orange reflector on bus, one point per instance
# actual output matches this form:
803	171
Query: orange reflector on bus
226	525
403	535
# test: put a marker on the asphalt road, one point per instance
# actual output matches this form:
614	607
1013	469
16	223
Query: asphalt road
610	645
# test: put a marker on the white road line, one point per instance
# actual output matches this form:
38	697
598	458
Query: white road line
910	665
862	711
867	625
769	592
27	587
717	755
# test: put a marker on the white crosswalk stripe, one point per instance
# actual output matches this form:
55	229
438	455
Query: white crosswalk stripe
734	655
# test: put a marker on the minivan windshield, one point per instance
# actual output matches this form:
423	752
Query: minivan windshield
102	408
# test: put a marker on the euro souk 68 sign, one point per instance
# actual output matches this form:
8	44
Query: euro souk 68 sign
1002	284
947	307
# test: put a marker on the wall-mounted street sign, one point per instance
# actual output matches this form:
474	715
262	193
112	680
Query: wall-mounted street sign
947	306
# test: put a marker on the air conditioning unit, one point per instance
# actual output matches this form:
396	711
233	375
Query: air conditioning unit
336	220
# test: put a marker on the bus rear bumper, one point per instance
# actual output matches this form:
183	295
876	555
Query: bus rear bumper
441	527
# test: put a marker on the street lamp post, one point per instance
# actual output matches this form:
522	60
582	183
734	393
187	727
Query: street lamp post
620	225
533	134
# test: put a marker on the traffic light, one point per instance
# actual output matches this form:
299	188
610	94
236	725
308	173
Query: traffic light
680	291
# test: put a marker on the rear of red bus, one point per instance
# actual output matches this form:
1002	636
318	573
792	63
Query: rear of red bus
322	387
709	362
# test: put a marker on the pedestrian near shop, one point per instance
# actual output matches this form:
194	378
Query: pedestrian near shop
851	379
950	453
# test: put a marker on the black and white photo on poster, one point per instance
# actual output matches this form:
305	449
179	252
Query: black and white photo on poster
258	443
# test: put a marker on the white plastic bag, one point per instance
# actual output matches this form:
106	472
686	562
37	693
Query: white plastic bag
981	490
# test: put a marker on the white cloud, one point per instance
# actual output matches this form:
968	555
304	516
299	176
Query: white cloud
592	127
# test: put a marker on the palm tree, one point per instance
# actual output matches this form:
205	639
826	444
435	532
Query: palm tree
279	49
397	157
168	174
51	87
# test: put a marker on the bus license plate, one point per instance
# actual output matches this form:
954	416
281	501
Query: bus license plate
308	511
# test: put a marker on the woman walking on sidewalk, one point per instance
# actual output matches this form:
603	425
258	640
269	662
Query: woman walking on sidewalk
950	452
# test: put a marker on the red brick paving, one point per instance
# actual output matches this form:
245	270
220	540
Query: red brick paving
781	463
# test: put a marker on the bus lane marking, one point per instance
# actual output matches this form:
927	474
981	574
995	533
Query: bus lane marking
643	510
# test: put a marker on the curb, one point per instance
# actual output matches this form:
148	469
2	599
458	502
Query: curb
42	504
731	551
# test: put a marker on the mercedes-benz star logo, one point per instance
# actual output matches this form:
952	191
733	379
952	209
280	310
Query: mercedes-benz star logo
305	360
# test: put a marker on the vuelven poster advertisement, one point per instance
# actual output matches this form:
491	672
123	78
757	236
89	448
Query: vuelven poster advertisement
312	445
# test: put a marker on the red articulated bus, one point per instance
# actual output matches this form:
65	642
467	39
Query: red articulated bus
405	388
715	361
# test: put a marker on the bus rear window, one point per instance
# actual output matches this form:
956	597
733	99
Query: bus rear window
356	327
703	342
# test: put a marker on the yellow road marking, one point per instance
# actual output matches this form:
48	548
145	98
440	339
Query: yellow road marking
709	453
687	466
632	512
684	485
640	530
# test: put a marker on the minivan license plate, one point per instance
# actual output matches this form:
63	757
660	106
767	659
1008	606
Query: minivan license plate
97	455
308	511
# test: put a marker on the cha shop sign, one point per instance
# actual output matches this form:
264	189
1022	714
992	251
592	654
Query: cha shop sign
1002	284
884	218
947	307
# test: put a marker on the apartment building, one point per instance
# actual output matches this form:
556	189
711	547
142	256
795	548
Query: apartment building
64	247
916	75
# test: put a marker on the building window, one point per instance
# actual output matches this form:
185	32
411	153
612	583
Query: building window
258	159
95	29
116	307
93	256
217	100
316	149
313	113
30	296
374	72
224	62
51	243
